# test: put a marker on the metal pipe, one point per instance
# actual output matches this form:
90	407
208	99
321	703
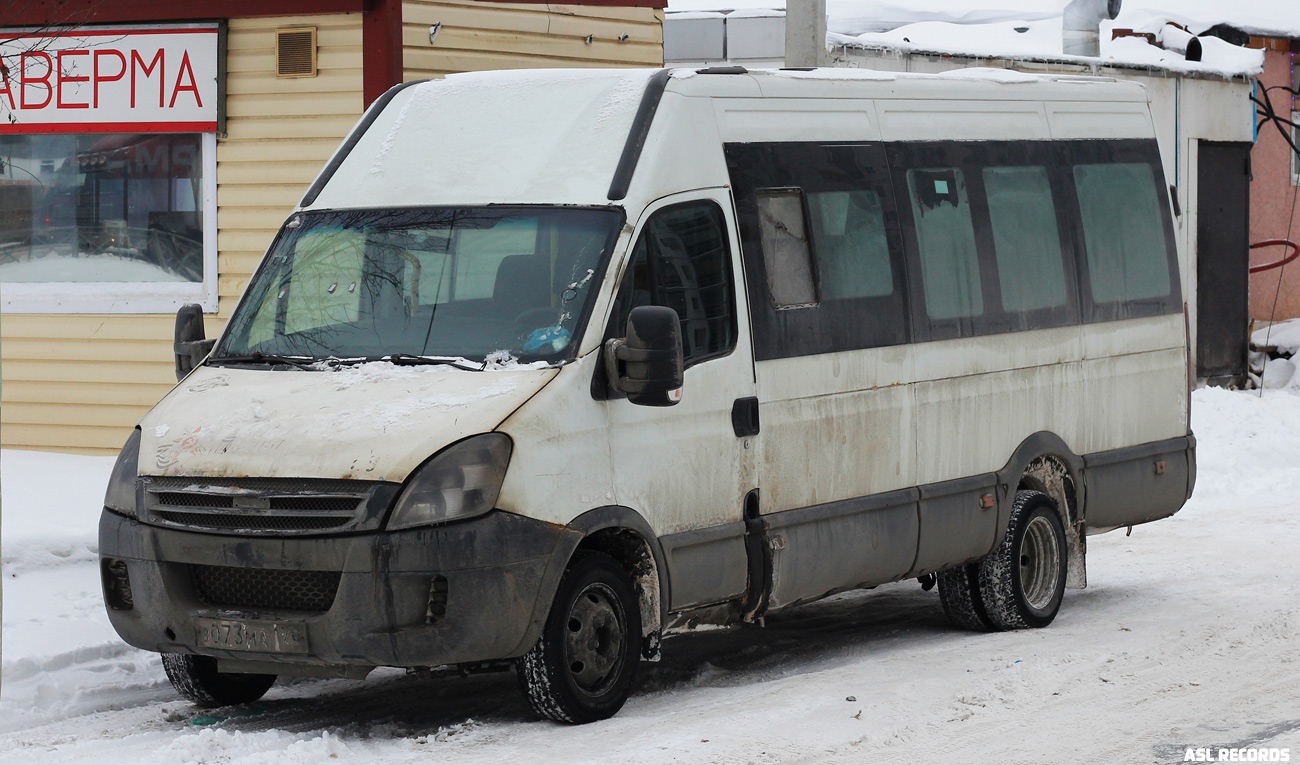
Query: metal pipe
1081	25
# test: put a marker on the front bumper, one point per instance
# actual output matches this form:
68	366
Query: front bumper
500	573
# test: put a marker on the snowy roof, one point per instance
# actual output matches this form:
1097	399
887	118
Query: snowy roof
510	136
1031	29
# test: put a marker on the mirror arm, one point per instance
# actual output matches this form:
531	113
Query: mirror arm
612	375
619	351
189	346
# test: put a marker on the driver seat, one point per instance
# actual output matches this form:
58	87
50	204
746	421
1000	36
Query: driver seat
523	282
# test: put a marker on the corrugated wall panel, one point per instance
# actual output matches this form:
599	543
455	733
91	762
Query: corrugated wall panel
476	36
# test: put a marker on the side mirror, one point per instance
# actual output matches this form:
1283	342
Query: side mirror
190	346
647	364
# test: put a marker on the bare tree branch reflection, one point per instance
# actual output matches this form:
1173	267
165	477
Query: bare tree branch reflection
434	282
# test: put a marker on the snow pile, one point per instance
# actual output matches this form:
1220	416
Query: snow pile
61	657
1278	367
1270	18
351	375
505	361
51	509
1248	448
1284	335
217	745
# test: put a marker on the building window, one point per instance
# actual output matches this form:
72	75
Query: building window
107	222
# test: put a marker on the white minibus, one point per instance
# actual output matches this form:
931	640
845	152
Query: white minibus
548	366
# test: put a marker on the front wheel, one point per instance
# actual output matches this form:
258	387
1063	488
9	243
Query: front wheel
197	679
581	668
1022	582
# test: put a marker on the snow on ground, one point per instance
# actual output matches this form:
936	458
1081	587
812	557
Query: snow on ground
1186	636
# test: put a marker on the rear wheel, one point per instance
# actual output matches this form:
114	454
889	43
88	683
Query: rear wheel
581	669
1022	582
959	594
197	679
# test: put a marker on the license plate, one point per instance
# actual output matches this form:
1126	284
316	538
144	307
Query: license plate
251	635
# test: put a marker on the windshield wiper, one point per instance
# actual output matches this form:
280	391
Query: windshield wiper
257	357
411	360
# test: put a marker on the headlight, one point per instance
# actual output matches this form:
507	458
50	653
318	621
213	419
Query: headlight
461	482
120	496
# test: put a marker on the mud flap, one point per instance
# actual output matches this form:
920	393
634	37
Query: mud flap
758	554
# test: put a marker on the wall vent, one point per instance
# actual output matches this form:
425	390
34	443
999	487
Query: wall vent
295	52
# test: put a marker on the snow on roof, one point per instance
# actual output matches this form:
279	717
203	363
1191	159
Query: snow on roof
1042	40
1275	18
1266	18
1031	29
513	136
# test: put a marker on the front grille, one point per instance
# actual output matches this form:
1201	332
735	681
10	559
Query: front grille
266	505
259	485
187	499
268	588
334	504
258	522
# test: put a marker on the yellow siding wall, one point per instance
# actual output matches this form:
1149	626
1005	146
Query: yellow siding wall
80	382
487	35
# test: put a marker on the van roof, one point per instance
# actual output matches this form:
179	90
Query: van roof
557	136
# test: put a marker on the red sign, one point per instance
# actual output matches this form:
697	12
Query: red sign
110	80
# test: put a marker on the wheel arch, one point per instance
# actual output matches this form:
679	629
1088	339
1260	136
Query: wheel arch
623	534
1044	462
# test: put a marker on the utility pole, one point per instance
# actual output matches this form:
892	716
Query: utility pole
805	33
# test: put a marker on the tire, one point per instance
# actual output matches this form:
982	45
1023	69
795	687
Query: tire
1022	582
582	667
197	679
959	594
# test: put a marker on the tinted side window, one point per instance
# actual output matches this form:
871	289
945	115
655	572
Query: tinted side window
853	259
682	261
990	237
857	288
1123	232
790	279
945	238
1026	238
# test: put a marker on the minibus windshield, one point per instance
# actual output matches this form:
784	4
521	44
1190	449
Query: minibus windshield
476	284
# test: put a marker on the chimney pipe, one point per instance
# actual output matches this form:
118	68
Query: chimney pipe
1081	27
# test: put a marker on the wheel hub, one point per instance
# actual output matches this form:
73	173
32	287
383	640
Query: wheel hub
595	638
1040	564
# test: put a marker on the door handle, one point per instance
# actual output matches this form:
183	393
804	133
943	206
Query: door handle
744	417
